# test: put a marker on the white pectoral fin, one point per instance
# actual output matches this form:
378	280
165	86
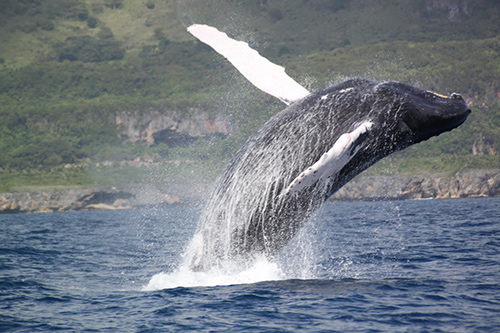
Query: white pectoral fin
332	161
262	73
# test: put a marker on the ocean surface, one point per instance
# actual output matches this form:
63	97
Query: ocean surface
400	266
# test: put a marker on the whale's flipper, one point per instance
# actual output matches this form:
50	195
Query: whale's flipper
262	73
332	161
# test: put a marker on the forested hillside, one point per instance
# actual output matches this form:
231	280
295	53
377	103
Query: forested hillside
72	70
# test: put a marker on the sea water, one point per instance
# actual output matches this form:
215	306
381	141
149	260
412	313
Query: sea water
413	266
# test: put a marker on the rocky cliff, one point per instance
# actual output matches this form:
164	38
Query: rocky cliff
171	127
453	10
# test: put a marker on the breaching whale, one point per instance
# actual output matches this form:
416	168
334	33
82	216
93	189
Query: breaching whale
305	153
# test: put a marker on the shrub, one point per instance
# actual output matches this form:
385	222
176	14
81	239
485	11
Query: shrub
105	33
79	12
33	10
283	50
89	49
114	4
150	5
45	24
275	14
28	27
82	13
92	22
160	34
89	54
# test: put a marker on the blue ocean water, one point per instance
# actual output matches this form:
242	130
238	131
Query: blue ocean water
406	266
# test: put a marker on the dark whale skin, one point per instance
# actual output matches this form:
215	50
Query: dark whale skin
249	214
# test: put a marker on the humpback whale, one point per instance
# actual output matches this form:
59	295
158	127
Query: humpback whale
305	153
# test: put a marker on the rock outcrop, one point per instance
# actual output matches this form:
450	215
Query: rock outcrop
84	199
453	10
468	184
172	128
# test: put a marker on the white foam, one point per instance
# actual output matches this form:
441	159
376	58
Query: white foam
229	274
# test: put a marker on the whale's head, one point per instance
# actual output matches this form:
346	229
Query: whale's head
420	114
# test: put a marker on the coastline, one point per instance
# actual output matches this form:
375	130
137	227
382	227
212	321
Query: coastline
466	184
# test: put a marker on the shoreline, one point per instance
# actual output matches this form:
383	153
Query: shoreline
467	184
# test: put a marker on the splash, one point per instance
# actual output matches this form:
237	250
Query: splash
297	261
228	274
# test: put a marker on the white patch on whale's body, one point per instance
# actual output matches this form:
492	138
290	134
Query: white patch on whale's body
261	72
345	90
332	161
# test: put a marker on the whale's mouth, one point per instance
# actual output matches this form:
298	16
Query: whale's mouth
458	120
435	115
440	126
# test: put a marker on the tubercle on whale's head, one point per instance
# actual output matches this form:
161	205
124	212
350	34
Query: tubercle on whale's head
423	114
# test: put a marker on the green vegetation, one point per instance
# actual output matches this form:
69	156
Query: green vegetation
88	49
92	22
69	67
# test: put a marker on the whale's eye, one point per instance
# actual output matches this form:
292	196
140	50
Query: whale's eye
456	96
